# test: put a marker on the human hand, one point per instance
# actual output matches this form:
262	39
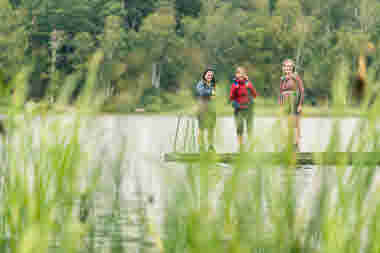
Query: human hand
299	108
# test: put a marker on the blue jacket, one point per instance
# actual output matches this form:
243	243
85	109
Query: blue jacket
203	90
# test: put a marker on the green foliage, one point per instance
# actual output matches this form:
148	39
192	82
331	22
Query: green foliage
169	43
257	209
13	38
136	11
43	183
186	8
158	34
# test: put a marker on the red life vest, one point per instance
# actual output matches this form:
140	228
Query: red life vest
243	95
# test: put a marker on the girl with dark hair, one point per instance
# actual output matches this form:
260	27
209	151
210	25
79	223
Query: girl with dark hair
207	111
291	97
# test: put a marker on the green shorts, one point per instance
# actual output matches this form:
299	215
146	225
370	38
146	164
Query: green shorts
241	116
291	101
206	117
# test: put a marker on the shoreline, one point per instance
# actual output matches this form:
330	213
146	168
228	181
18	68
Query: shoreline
265	115
314	113
224	111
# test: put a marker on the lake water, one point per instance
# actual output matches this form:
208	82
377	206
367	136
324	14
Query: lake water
145	180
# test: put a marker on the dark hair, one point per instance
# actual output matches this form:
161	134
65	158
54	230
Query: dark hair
213	77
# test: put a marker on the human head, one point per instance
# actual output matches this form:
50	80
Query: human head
241	73
209	75
288	66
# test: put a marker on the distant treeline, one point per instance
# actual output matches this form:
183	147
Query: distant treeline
167	43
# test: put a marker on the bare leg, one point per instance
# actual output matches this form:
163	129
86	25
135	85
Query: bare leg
211	137
292	136
250	125
298	130
240	140
239	128
201	139
291	128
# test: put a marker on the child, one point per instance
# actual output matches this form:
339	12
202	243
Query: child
291	97
242	95
207	112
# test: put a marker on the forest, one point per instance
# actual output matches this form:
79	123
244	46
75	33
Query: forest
154	51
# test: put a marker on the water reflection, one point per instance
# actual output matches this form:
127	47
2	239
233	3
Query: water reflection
134	189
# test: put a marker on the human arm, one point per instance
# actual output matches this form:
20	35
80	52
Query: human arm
233	97
253	91
213	91
280	98
232	93
301	90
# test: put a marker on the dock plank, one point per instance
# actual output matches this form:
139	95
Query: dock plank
299	158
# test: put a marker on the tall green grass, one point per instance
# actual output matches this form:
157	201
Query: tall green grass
50	178
259	210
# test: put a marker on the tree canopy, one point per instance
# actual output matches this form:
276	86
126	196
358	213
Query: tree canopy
167	43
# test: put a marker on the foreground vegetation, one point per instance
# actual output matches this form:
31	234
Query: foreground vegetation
258	208
73	56
49	179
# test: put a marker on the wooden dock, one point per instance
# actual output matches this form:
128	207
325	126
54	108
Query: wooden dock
280	158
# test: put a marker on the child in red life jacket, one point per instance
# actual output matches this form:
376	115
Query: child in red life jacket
242	94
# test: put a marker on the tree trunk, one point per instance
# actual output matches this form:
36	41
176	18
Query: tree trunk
156	75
